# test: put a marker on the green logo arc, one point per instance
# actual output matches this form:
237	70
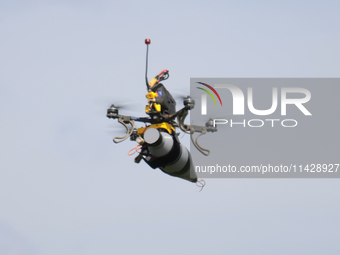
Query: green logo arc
208	94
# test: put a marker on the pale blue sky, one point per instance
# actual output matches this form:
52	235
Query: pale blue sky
66	188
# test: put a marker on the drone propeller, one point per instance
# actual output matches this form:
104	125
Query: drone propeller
123	106
180	95
123	103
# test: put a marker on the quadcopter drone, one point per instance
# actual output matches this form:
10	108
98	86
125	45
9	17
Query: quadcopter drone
158	142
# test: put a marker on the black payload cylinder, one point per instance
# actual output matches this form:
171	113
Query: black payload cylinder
167	153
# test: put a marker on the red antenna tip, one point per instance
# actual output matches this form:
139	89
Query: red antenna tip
147	41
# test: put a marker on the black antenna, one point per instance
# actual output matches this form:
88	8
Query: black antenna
147	42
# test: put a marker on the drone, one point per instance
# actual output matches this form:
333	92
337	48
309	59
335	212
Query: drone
158	142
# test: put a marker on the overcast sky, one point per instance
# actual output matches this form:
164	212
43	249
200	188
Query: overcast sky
66	188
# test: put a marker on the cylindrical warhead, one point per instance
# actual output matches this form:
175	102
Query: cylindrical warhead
182	167
177	160
160	143
152	136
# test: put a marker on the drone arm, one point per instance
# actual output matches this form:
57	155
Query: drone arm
126	118
185	128
129	131
191	129
204	151
181	115
203	130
